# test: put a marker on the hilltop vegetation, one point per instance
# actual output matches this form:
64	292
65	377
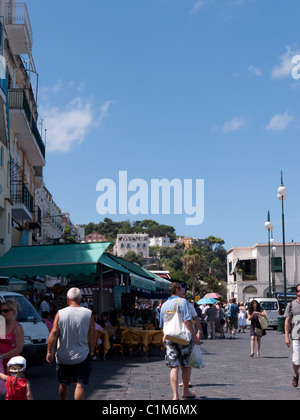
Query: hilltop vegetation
209	273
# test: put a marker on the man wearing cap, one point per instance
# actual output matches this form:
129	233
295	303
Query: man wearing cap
74	334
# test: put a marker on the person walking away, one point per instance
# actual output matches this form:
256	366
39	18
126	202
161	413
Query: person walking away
221	319
12	344
211	314
178	355
292	333
17	386
73	333
254	311
233	311
242	318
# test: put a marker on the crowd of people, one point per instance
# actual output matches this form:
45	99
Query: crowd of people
220	318
203	322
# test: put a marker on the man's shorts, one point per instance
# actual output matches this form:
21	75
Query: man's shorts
177	354
233	323
296	352
78	373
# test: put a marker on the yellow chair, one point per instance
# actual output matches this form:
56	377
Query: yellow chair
155	340
131	340
116	341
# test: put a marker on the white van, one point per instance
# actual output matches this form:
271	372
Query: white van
35	330
270	305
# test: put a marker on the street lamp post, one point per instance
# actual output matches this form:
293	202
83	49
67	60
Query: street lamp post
281	195
273	249
269	227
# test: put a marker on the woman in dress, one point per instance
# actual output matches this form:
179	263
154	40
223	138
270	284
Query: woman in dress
242	320
254	311
12	344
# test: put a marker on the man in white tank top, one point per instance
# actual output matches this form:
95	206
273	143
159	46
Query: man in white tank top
73	333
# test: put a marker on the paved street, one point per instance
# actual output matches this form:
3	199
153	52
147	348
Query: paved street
229	374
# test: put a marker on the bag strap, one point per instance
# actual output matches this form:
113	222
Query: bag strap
177	304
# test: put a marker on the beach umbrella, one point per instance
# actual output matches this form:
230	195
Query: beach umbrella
213	295
206	301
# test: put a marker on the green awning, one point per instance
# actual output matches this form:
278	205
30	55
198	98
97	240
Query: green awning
161	284
142	283
107	261
71	260
134	268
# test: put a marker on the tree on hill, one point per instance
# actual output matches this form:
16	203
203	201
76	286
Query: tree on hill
110	229
193	263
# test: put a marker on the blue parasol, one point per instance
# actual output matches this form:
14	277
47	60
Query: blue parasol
206	301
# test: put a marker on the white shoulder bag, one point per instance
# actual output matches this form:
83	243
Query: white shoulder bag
174	328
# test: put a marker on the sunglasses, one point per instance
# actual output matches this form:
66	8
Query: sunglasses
5	311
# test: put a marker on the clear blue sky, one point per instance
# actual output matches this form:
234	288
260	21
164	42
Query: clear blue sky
181	89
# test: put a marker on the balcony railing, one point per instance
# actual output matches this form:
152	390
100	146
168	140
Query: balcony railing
18	100
17	14
36	221
22	196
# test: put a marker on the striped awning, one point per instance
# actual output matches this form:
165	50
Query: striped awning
88	291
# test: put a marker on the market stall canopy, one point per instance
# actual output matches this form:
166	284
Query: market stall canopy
73	261
108	262
140	278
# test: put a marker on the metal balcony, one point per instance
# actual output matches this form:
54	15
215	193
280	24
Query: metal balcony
18	28
24	127
36	221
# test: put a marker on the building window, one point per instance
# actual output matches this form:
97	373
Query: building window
2	157
276	264
250	289
248	268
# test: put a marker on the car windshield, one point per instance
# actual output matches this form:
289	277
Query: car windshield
269	306
26	312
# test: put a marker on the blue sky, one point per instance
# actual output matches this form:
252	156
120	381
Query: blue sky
170	89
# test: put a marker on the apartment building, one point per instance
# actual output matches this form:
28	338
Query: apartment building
190	242
248	270
25	153
159	241
5	200
51	228
95	237
132	242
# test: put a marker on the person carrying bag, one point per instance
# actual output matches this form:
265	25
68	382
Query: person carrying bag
174	328
180	336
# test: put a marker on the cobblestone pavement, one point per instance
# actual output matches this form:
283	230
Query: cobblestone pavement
229	374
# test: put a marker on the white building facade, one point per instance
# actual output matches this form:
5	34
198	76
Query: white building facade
248	270
159	241
132	242
51	217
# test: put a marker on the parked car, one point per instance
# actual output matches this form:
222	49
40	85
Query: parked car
35	330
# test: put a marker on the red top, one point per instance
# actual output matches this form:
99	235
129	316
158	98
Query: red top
7	344
16	390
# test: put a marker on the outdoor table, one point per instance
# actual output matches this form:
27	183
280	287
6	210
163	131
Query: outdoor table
146	337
